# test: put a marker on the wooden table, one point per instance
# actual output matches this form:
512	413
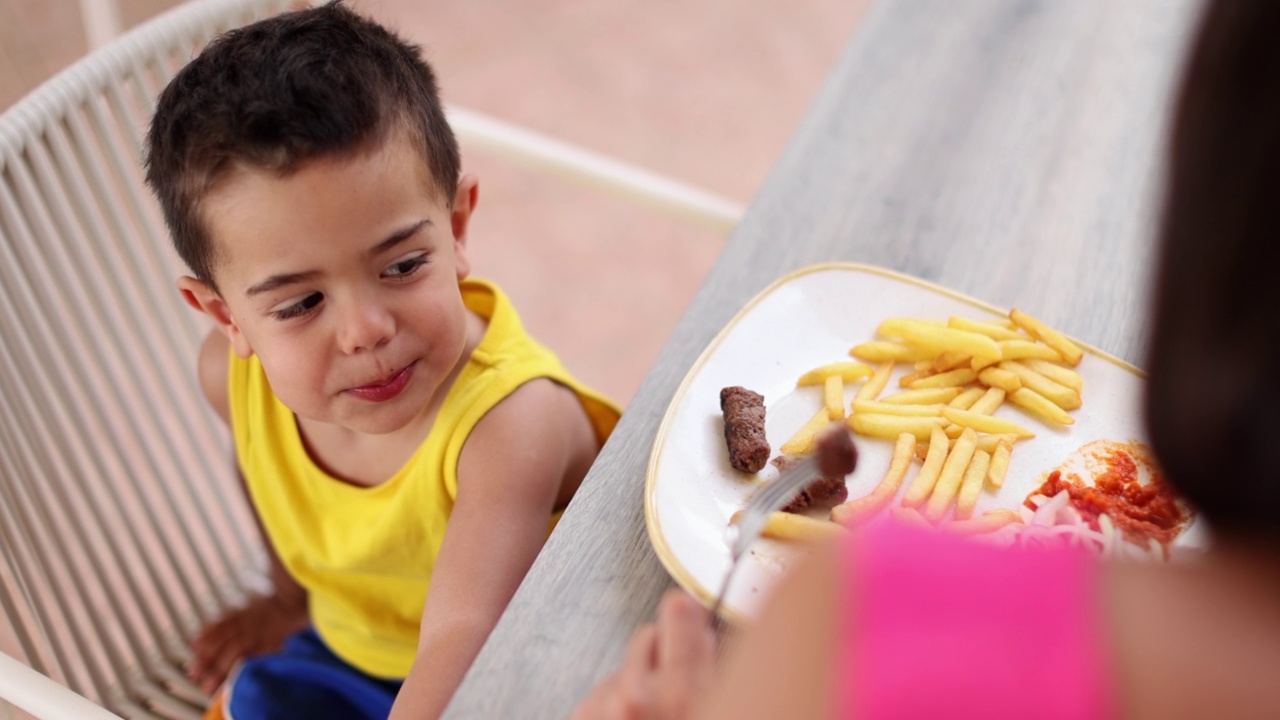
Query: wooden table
1009	149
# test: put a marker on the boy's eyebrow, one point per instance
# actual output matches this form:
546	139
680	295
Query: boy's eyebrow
279	281
398	237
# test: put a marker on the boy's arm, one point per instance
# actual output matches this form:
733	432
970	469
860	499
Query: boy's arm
510	477
219	645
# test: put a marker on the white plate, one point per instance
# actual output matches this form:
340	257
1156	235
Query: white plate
806	319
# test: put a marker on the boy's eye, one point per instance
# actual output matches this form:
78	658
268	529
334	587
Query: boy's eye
405	267
299	308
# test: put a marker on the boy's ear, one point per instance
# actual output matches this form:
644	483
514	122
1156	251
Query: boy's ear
205	299
464	204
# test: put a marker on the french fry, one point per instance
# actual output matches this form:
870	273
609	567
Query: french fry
922	373
1061	395
940	338
989	521
971	484
909	516
952	378
851	513
878	351
950	361
944	491
978	364
846	371
1041	407
986	442
922	365
989	443
990	329
990	401
875	384
1047	335
890	427
966	399
833	397
1027	349
1057	373
985	423
998	378
927	396
999	463
799	528
802	441
884	408
919	490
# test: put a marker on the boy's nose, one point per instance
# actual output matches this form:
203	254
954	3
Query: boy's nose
364	326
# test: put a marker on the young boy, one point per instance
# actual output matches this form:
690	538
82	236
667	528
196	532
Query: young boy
403	442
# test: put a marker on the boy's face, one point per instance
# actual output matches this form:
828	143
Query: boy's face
343	279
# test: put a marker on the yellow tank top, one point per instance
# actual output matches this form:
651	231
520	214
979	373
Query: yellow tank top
365	554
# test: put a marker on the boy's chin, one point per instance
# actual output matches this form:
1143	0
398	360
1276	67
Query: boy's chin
365	421
376	423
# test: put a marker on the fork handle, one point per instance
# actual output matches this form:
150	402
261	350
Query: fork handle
724	589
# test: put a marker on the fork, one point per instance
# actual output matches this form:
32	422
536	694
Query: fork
755	515
835	456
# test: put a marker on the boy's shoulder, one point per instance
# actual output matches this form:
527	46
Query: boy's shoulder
541	427
527	375
541	416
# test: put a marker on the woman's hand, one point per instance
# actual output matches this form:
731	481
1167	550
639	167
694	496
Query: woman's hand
667	670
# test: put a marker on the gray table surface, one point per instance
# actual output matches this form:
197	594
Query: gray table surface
1009	149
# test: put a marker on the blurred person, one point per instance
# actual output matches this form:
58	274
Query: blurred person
905	623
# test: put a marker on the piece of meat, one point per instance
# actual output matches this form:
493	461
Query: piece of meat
744	428
785	462
837	457
825	492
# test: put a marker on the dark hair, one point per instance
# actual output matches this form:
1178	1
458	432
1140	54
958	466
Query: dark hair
1213	401
320	82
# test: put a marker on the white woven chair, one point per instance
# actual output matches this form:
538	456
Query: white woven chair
122	528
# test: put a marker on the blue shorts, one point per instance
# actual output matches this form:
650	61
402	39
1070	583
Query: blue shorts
306	680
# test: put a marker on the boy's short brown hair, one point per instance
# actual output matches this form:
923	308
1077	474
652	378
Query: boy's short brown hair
319	82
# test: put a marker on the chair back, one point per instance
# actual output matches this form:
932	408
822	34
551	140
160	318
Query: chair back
122	527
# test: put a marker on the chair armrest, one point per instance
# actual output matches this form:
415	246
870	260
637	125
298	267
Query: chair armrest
511	142
32	692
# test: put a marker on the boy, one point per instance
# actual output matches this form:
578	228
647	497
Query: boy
396	429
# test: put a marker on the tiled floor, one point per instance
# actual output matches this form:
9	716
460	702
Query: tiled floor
705	91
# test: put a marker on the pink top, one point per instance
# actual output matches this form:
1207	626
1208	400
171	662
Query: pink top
949	628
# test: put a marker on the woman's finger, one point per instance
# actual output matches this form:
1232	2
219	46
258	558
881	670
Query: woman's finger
685	640
642	651
593	705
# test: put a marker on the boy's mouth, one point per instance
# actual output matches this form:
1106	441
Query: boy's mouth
387	389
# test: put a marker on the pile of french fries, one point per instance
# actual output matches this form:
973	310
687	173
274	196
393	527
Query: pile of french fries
963	370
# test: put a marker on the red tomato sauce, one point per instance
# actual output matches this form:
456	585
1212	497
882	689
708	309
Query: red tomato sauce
1142	512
